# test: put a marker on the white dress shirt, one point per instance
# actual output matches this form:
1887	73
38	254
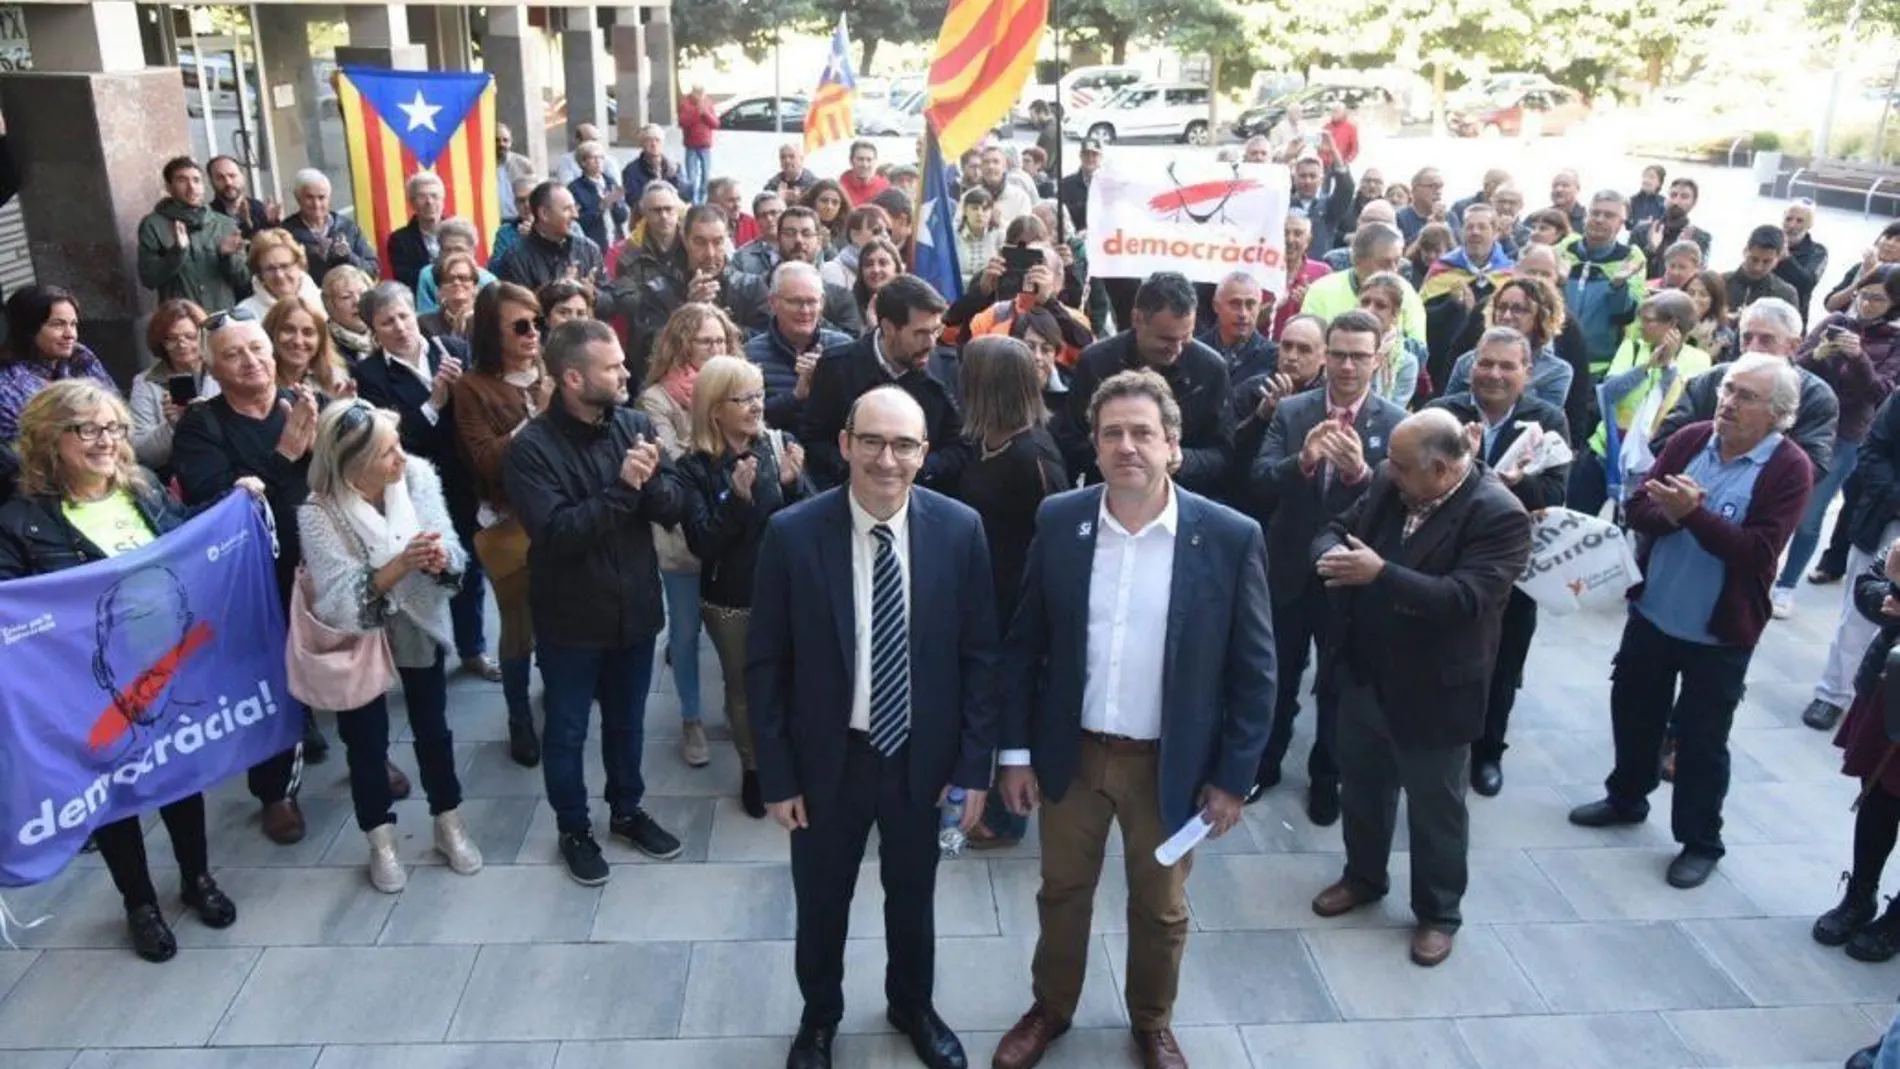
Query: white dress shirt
863	562
1131	582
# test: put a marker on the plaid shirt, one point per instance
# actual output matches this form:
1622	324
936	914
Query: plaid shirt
1416	515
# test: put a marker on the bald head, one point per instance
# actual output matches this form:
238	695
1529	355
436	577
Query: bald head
1427	455
884	440
888	406
1379	211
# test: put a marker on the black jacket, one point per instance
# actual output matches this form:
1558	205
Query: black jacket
1877	479
1542	490
1803	269
407	253
1327	211
534	261
320	253
652	286
846	373
1201	387
1871	589
380	382
723	530
36	537
1073	192
595	578
213	447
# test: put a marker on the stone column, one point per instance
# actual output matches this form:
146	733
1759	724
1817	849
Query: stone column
663	92
506	54
630	52
581	48
379	37
291	95
443	32
97	128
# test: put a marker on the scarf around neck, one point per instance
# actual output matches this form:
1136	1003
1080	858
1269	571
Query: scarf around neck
385	533
678	385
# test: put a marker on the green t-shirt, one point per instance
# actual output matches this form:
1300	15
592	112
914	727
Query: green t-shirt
112	523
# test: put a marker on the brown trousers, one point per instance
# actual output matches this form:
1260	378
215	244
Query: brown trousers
727	628
1114	782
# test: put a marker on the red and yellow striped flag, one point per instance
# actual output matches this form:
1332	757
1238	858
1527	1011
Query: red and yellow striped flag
984	56
829	116
399	122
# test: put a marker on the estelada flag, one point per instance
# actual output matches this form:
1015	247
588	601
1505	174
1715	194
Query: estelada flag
985	53
828	117
399	122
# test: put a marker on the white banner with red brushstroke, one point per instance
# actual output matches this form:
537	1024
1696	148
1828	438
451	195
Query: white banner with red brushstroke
1194	215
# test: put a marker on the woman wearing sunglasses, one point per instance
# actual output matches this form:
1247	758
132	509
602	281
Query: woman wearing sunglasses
694	334
382	555
504	388
82	499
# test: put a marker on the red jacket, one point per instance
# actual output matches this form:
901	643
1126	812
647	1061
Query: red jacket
696	123
862	192
1345	140
1749	551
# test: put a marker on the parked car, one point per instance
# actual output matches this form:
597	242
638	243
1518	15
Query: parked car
1149	109
761	113
1083	87
902	119
1373	109
1537	111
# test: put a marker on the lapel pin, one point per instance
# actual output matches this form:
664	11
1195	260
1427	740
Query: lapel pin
1194	540
1373	441
1082	529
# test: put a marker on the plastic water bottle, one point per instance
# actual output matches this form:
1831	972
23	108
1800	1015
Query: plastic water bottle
950	824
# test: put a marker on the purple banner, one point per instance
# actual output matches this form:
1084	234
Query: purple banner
136	681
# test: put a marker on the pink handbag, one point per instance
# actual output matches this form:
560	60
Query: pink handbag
330	669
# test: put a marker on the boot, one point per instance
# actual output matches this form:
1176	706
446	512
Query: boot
385	870
1879	941
453	843
1857	907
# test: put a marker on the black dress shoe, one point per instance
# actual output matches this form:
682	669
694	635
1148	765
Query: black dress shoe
1691	870
1487	777
523	747
936	1046
1604	813
812	1048
1265	780
1322	804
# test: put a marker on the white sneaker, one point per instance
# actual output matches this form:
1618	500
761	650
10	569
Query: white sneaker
453	843
386	873
1781	602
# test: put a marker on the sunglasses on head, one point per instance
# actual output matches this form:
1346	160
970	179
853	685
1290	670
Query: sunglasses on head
521	328
355	416
217	320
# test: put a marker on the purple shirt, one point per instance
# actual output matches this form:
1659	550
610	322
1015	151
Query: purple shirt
21	379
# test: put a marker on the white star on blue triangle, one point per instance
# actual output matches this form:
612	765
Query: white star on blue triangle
424	109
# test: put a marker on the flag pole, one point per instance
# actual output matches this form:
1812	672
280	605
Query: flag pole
1055	26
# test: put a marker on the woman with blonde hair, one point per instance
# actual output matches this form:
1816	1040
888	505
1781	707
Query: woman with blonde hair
382	556
737	475
300	340
278	270
343	287
82	498
1395	378
694	334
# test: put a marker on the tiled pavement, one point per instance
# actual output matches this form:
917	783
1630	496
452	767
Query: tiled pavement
1576	954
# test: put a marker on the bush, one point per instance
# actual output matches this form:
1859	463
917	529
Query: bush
1766	141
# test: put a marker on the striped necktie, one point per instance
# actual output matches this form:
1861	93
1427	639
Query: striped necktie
890	648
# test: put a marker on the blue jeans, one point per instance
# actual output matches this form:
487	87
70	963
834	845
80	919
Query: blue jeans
698	168
571	678
1808	535
365	734
682	638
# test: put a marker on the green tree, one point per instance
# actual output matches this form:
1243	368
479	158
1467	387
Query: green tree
1834	14
875	22
1102	24
702	26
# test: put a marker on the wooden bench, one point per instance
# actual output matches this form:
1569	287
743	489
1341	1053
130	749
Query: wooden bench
1845	176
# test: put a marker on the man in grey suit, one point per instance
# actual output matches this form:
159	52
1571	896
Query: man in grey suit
1419	568
1319	453
1137	683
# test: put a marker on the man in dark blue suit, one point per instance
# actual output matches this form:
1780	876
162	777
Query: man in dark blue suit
870	654
410	374
1138	684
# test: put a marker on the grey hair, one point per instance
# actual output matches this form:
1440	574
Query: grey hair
1391	282
1237	278
1610	196
589	148
339	451
308	177
650	130
1481	209
794	269
1773	308
1371	238
1683	248
1507	336
381	298
1673	305
658	185
418	180
456	227
1785	398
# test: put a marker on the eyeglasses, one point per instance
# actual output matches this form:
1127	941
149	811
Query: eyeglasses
458	280
521	328
744	399
181	341
803	304
708	344
217	321
92	432
872	446
1350	357
1512	308
1759	339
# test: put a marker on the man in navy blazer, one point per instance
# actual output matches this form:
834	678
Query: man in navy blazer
1138	685
870	654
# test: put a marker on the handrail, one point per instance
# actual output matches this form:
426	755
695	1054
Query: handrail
1867	209
1738	144
1792	179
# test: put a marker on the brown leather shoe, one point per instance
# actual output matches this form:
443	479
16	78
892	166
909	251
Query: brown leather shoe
1430	946
1023	1045
283	822
1159	1050
1341	897
398	783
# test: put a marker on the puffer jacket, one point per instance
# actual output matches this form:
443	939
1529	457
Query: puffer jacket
36	538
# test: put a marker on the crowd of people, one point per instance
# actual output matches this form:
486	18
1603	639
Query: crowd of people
660	408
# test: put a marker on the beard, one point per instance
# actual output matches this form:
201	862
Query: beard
1675	215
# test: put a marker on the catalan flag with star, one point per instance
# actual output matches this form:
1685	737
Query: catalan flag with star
829	118
397	123
985	53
